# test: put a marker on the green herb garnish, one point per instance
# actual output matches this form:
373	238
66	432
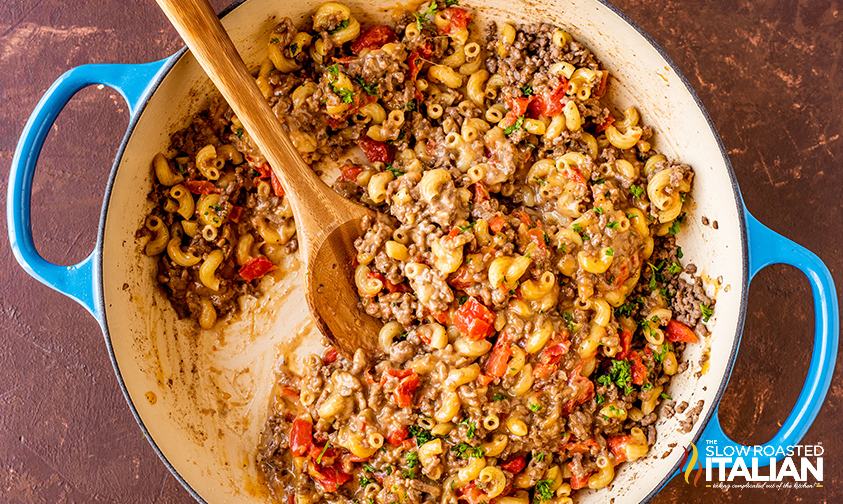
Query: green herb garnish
339	28
636	191
517	126
706	311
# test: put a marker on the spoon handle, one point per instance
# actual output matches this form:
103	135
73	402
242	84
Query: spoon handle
203	33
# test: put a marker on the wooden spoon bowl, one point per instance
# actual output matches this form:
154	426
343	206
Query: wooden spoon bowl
326	223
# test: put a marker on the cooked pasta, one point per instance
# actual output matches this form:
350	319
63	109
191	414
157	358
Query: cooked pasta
525	266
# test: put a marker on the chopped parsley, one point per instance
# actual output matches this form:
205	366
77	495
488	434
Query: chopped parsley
679	253
598	210
706	311
577	228
422	435
371	90
465	450
365	481
539	457
674	268
319	458
395	171
636	191
543	490
665	396
517	126
647	386
540	181
621	374
346	95
181	166
412	461
239	132
462	300
498	397
534	407
600	399
411	105
215	207
660	355
570	321
610	252
422	18
274	40
674	228
613	225
631	216
527	90
339	28
624	310
293	48
465	228
451	3
471	427
368	467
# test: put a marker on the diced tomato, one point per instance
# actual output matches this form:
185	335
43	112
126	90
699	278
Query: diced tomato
264	170
677	331
608	122
484	379
639	370
622	275
235	213
542	370
518	106
301	437
400	287
549	359
538	236
330	356
374	37
474	320
481	193
256	267
499	358
415	62
581	383
604	84
626	341
617	445
443	317
550	104
350	173
461	279
573	174
276	184
457	19
403	394
395	373
577	483
577	447
515	465
522	216
201	187
331	478
472	494
376	151
496	224
397	436
374	274
288	392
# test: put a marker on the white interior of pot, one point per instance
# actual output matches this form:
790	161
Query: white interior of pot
203	395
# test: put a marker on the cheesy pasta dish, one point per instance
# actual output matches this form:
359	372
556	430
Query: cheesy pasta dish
524	260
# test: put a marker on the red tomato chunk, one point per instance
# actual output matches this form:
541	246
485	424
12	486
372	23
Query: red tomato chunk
474	320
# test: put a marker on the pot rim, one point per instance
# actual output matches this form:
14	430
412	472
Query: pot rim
175	57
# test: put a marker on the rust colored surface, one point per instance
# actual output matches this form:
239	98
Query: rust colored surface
769	72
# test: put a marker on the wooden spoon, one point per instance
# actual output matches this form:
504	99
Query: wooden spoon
326	223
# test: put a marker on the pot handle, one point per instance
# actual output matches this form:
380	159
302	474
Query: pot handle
77	281
767	247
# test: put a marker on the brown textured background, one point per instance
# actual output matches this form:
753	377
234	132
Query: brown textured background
768	71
